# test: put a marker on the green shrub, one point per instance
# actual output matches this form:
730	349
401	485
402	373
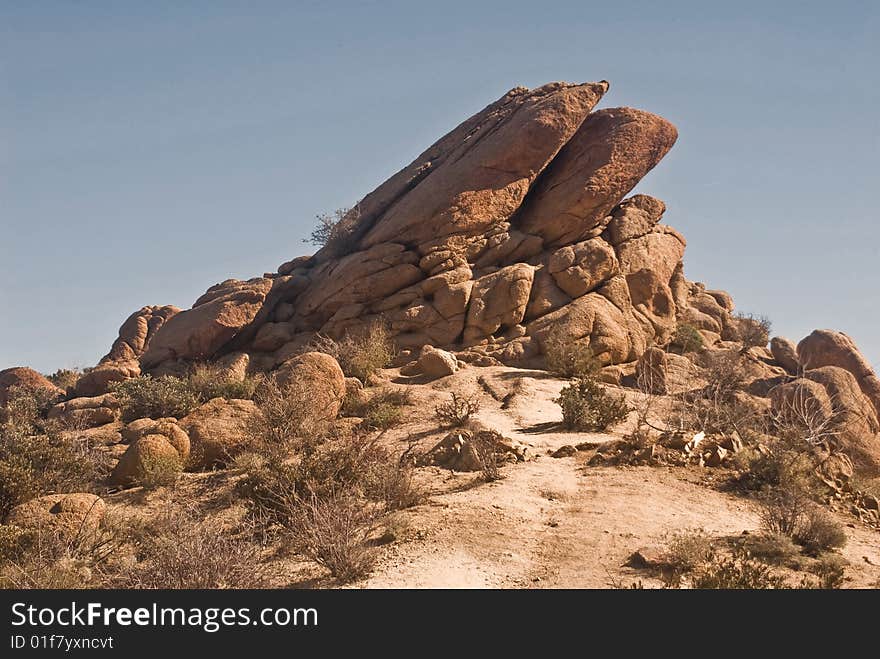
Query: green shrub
588	407
457	411
146	396
381	411
774	548
569	359
159	471
208	381
34	465
26	408
687	338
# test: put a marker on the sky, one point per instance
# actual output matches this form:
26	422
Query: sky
151	149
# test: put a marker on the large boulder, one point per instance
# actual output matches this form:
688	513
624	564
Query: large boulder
215	319
580	268
436	363
830	348
611	151
24	379
71	517
218	431
137	331
318	376
785	353
478	175
149	455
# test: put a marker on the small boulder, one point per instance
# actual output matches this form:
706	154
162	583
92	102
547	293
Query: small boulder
785	353
318	375
145	456
436	363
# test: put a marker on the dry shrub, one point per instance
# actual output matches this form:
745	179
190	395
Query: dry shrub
26	408
569	359
335	231
286	419
208	381
790	513
360	355
687	550
34	465
774	548
176	549
333	531
487	456
381	411
457	411
740	571
782	465
587	406
159	471
752	331
687	338
65	378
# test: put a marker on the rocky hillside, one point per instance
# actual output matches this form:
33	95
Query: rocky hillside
507	249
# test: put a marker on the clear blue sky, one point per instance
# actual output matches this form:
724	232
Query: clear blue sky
151	149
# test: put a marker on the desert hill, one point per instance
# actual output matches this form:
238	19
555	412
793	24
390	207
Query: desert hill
505	265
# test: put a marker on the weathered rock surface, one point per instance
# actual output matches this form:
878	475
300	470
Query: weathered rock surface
830	348
320	378
785	353
217	430
87	412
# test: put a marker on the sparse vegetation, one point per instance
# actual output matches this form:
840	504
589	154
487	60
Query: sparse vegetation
381	410
34	465
146	396
362	354
588	407
740	571
753	331
687	338
333	532
65	378
456	412
159	471
171	396
335	230
569	359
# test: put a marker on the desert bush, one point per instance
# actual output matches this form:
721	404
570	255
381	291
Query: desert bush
26	408
569	359
34	465
587	406
830	571
780	466
360	355
159	471
208	381
740	571
457	411
753	331
774	548
333	531
687	550
178	550
783	511
65	378
381	411
354	463
335	230
687	338
485	450
146	396
285	420
820	531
